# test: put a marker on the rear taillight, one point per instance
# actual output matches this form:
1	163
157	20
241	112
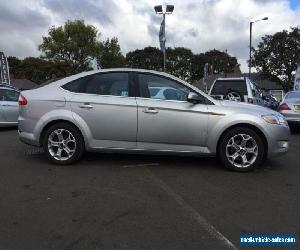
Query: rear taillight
22	100
250	100
283	106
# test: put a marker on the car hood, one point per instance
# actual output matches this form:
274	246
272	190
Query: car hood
247	108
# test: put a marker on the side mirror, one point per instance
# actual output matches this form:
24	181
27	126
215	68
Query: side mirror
194	98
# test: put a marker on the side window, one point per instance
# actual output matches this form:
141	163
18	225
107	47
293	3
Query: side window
9	95
108	84
156	87
116	84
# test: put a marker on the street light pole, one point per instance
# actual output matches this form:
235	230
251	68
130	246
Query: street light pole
250	44
159	10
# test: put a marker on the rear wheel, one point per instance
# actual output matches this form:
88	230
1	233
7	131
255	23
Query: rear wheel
241	149
63	144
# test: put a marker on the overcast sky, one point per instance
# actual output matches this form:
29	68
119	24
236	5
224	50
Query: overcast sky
199	25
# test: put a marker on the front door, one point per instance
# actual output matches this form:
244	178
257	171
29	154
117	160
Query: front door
166	121
105	105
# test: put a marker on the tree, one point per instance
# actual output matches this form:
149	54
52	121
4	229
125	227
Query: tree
219	62
147	58
110	55
278	56
178	62
75	44
197	69
37	70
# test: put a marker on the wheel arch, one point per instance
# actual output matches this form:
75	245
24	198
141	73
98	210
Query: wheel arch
245	125
51	123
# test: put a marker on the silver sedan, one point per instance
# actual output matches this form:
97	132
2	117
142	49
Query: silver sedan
9	108
116	110
290	106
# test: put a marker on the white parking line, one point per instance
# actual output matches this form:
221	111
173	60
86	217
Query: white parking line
210	229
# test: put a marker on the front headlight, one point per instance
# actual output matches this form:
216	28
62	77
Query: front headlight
274	119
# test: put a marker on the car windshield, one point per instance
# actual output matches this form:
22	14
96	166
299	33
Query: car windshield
222	87
295	94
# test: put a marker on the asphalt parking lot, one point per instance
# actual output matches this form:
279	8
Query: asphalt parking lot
141	202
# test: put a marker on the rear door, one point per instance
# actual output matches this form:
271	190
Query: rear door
9	104
104	102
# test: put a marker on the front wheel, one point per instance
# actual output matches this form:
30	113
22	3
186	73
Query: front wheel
63	144
241	149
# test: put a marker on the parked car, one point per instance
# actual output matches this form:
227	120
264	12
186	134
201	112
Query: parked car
113	110
239	89
270	101
9	108
290	106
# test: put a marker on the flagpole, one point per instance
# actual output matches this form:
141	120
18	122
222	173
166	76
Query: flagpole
162	31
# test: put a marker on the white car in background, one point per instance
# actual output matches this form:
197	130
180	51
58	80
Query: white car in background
9	107
290	106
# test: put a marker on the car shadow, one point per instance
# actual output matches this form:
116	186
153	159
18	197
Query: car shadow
152	161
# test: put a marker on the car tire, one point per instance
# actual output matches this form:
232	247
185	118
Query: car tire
241	149
231	94
63	143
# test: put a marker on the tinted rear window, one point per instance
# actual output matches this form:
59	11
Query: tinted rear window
101	84
222	87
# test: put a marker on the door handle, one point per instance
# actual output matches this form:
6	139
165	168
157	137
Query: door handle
86	106
150	111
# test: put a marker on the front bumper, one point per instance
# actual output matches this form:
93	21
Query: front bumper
278	137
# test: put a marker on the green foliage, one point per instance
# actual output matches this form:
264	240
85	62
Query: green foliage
179	62
75	44
37	70
110	55
278	56
147	58
220	61
14	64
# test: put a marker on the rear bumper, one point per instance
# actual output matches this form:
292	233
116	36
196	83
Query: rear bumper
291	116
28	138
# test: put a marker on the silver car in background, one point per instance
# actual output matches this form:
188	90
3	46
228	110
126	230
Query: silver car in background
116	110
290	106
9	107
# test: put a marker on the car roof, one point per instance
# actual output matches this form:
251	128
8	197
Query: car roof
6	86
65	80
230	78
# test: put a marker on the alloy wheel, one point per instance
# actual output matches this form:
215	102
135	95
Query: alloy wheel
241	150
61	144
